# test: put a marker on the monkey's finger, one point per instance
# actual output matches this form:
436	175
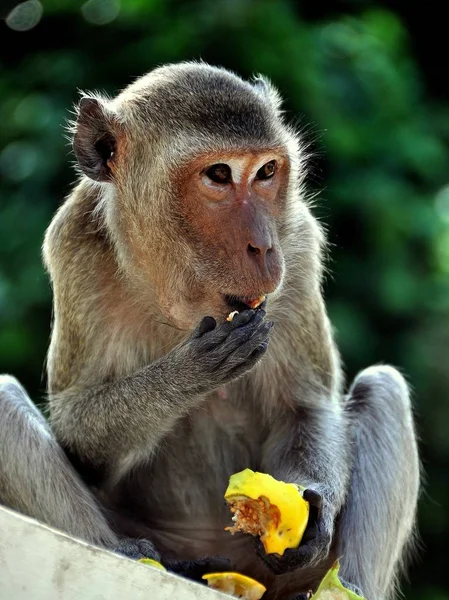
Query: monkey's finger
233	334
312	552
309	534
137	549
250	343
313	498
244	333
263	306
207	324
249	363
245	317
239	321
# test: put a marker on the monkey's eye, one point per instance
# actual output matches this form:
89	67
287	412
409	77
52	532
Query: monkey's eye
267	171
220	173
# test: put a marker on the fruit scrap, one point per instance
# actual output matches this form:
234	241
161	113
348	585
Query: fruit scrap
271	509
232	315
152	563
255	303
331	587
235	584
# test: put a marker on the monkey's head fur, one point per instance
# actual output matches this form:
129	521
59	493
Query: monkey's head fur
198	177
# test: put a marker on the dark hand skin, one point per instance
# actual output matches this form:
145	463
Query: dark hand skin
192	569
217	354
137	549
315	544
195	569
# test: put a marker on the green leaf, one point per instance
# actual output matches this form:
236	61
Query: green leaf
331	587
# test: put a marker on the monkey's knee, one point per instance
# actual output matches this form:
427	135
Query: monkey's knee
10	388
381	412
16	407
380	388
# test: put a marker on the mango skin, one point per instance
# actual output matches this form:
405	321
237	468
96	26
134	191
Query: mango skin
331	587
152	563
294	510
236	581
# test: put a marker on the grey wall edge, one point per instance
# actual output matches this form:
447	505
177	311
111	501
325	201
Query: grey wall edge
40	563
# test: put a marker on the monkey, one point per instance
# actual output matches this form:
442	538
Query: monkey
191	203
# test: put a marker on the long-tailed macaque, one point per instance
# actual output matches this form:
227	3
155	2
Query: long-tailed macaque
190	205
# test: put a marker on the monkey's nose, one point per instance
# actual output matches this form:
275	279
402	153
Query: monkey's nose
260	253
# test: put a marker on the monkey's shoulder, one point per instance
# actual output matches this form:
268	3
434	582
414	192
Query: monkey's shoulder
77	233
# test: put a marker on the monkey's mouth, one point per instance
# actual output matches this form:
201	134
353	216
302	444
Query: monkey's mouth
241	303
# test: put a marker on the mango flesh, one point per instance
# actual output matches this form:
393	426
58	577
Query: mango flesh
235	584
331	587
256	302
272	509
152	563
232	315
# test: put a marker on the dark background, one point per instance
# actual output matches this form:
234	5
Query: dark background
367	83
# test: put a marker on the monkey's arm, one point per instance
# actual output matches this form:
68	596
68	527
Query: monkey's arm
115	424
311	449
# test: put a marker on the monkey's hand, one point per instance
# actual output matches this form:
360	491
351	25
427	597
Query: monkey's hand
137	549
315	544
195	569
216	354
192	569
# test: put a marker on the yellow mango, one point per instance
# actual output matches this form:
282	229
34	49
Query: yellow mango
152	563
274	510
235	584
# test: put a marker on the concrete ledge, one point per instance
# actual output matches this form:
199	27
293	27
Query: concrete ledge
40	563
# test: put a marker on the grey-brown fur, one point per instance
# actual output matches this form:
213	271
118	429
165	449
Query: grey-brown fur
156	418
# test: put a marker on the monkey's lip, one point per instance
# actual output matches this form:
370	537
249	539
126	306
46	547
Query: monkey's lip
241	303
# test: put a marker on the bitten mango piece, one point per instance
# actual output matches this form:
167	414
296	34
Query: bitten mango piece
152	563
331	587
232	315
271	509
235	584
256	302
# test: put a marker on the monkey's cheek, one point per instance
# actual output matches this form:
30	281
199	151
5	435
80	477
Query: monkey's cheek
181	318
185	315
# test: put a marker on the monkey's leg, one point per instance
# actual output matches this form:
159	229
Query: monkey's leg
376	524
36	478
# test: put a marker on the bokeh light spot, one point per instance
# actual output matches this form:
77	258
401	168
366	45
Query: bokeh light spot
25	15
18	161
100	12
33	112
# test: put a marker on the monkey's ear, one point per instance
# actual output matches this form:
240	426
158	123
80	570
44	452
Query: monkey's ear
94	141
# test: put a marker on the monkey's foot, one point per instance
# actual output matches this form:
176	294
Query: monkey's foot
137	549
195	569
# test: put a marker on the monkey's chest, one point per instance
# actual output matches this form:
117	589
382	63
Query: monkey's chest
187	478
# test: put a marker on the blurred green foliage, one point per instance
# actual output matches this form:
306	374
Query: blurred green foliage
380	162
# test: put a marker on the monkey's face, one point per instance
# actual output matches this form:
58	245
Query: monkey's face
229	205
199	173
